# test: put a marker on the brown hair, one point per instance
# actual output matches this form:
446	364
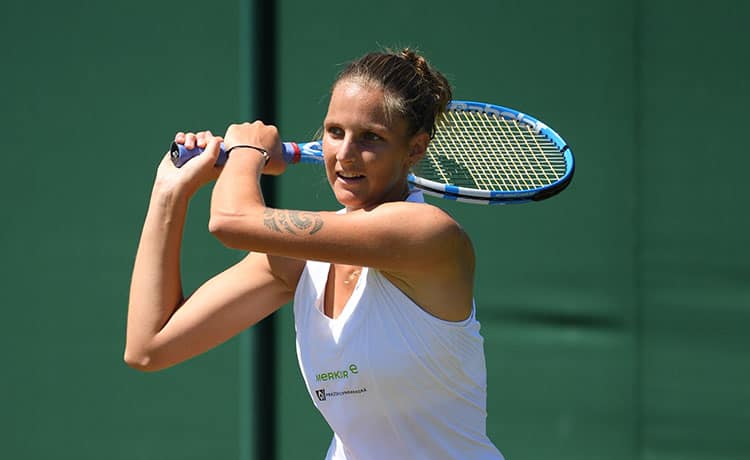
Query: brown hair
413	89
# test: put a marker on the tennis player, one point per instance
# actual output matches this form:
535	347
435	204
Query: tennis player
387	338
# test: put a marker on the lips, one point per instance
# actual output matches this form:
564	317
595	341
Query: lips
348	176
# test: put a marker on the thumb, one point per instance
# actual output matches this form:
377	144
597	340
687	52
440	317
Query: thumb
212	150
208	157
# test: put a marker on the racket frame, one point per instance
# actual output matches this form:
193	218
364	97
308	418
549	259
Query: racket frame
494	197
312	152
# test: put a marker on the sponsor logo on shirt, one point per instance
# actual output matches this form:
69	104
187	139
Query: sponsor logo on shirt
324	395
337	374
340	374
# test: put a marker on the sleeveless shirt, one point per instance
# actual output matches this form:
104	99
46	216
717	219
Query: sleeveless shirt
392	380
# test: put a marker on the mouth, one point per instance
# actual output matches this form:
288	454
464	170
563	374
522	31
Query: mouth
349	177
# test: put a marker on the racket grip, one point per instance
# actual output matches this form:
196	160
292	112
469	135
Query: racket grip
180	155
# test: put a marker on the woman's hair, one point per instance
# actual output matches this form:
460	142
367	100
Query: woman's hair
413	89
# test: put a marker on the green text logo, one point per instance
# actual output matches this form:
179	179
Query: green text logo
337	375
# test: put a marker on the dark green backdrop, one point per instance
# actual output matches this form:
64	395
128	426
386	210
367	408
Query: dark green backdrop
614	314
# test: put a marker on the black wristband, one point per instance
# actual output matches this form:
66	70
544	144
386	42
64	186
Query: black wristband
262	151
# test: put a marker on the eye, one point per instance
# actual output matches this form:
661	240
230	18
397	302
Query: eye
335	132
370	136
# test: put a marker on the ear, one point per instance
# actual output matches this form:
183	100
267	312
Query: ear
418	147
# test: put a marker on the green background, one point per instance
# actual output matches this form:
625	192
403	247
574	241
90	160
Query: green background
614	314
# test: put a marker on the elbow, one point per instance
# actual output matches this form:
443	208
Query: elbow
217	225
140	361
224	229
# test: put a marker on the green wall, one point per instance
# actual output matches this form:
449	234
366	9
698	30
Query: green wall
91	94
613	314
694	231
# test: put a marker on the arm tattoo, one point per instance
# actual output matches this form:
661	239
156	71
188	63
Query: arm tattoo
269	221
308	221
294	222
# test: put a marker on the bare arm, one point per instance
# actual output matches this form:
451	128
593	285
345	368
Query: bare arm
156	286
164	329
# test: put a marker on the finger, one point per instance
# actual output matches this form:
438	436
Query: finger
179	137
202	138
190	141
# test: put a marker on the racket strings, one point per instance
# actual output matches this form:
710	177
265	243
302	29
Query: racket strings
489	152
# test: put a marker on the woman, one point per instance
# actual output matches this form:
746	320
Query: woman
387	340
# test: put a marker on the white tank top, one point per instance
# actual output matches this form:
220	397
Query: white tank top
392	381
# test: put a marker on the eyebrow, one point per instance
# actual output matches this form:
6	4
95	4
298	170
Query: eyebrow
365	127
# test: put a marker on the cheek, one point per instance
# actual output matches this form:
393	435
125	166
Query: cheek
399	166
390	174
330	166
329	159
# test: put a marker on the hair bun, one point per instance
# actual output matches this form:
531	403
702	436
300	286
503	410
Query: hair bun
415	59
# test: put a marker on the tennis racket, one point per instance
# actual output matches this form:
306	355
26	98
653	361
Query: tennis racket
481	154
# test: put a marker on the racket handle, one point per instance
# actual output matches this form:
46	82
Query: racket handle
291	152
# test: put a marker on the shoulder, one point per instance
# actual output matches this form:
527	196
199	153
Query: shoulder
423	219
444	246
442	283
432	256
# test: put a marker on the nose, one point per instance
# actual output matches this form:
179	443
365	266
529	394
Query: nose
347	150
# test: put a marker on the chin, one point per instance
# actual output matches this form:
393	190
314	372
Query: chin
349	199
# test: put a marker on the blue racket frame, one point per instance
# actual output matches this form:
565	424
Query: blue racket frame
312	152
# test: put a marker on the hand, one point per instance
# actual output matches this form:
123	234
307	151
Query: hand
260	135
197	172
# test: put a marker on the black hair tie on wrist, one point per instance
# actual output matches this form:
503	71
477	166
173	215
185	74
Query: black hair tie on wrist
262	151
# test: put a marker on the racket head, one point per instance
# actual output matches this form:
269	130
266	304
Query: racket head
481	154
489	154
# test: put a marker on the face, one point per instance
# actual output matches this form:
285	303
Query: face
366	157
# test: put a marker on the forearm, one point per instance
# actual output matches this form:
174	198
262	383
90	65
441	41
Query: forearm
237	195
156	288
